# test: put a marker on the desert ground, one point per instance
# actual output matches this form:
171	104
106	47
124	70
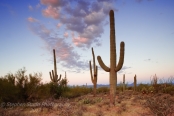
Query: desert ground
128	103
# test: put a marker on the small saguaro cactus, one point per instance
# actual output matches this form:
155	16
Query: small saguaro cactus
93	76
64	81
114	67
135	82
54	77
123	82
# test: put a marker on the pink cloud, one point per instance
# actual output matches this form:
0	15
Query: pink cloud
30	7
78	41
51	12
66	35
59	25
54	2
30	19
94	17
49	2
65	52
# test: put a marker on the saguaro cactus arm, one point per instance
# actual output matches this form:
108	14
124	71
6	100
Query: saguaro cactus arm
96	73
121	60
91	72
107	69
59	77
94	66
93	77
51	76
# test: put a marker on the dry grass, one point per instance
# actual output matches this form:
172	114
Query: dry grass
127	104
160	105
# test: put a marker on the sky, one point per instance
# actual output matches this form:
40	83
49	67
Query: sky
31	29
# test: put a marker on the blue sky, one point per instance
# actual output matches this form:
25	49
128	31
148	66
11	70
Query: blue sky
31	29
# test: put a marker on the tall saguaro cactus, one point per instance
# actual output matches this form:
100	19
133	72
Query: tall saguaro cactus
93	76
135	82
114	68
124	82
54	77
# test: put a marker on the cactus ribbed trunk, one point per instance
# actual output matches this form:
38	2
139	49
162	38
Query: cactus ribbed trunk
123	82
93	76
66	81
114	68
113	74
55	67
135	82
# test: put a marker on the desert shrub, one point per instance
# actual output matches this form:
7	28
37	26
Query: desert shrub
119	87
32	86
130	88
103	90
122	108
160	105
76	91
8	91
56	90
151	89
169	90
19	87
141	86
64	82
79	112
44	91
99	113
144	90
87	101
69	94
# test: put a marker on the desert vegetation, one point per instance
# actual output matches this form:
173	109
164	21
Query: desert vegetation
26	95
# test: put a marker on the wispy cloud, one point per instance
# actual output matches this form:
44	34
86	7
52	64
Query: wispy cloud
83	23
65	53
51	12
147	59
139	1
150	60
123	70
34	8
84	18
30	7
30	19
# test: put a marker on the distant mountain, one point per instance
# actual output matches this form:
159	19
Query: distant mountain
104	85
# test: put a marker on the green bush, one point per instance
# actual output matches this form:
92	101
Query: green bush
130	88
20	87
76	91
144	90
103	90
141	86
8	91
151	89
169	90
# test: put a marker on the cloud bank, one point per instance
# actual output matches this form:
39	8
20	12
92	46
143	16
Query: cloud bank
83	23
